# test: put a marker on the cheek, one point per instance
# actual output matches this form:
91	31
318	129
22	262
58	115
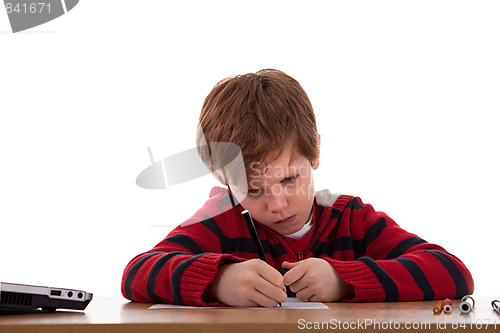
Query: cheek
257	209
305	189
252	205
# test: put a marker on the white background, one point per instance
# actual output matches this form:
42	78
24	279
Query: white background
406	95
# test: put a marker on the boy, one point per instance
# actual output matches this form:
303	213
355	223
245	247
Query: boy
334	247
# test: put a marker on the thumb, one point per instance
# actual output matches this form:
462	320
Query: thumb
289	265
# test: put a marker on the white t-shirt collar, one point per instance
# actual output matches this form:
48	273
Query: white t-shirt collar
304	231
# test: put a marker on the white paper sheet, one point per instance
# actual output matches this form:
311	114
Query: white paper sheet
291	303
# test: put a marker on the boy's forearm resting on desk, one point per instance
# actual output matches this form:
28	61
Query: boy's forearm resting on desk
370	259
395	265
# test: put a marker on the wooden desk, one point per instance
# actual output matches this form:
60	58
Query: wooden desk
118	315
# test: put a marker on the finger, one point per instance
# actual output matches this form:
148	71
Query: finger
275	293
294	274
289	265
270	274
262	300
298	285
315	298
305	294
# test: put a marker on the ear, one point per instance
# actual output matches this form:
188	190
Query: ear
315	164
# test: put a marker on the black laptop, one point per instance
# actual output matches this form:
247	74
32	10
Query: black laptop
23	297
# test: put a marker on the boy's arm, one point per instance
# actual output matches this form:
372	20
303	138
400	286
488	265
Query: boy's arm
395	265
177	270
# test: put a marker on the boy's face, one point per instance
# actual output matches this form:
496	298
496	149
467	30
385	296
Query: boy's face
280	195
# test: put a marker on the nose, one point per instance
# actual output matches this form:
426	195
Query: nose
277	200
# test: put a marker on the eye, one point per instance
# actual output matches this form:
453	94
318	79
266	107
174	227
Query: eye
254	192
289	179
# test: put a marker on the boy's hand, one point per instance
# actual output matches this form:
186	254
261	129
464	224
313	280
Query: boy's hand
316	280
249	283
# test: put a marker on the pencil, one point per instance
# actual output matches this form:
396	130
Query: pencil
253	234
255	237
439	307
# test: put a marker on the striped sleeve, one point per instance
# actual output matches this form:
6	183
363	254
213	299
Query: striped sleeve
392	264
178	270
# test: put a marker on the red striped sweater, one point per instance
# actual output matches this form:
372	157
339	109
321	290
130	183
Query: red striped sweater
367	248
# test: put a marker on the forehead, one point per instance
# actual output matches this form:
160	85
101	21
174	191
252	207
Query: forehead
279	166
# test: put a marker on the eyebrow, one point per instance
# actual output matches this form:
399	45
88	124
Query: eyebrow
294	175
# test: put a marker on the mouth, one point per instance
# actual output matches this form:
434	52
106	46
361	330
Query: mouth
287	220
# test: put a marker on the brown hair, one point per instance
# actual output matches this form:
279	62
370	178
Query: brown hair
264	113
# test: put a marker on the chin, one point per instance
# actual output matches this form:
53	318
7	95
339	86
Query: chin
289	231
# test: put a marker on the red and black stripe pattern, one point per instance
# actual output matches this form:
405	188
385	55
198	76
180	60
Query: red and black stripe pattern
368	249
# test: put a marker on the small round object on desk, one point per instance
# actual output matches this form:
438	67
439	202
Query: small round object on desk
466	304
447	305
496	305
